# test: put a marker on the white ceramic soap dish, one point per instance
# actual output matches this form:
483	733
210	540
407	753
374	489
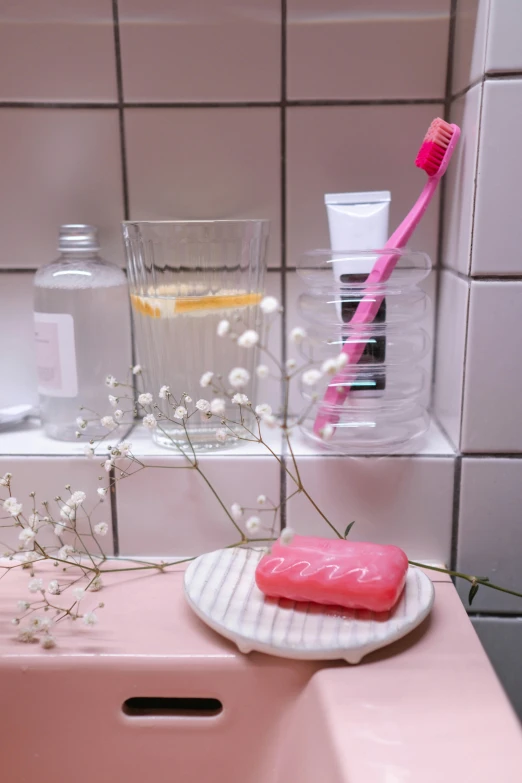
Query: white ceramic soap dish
220	587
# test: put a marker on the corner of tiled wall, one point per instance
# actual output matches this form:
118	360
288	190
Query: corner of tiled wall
477	376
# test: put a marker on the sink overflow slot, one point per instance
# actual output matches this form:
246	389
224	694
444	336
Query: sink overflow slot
171	707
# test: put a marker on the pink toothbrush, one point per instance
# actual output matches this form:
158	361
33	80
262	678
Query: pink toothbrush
433	157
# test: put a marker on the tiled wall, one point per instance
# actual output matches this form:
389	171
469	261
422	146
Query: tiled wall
478	376
256	108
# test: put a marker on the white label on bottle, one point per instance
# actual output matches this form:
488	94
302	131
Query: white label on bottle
55	354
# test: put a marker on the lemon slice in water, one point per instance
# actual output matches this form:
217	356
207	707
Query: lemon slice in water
166	306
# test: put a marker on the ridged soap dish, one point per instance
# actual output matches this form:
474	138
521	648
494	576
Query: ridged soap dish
220	588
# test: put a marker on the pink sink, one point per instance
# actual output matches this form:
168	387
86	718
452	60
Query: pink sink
151	694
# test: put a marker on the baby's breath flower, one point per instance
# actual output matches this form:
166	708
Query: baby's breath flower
341	360
145	398
89	451
269	421
217	406
26	535
34	519
12	506
149	422
206	379
327	432
23	605
187	398
101	529
238	377
262	371
310	377
164	392
261	499
223	328
297	335
48	642
253	524
331	366
264	409
118	414
108	422
37	623
287	535
65	552
78	593
82	424
290	365
30	557
102	491
269	304
53	587
89	618
96	584
203	406
124	447
113	400
5	479
111	381
248	339
108	465
35	585
221	435
236	511
26	635
180	412
136	369
77	498
68	512
59	529
240	399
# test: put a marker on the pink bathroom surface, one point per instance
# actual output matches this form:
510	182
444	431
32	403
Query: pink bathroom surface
356	575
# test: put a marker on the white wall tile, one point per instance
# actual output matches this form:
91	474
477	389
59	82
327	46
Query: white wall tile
343	148
208	50
492	411
393	500
459	201
47	477
497	238
57	51
205	163
504	49
450	353
490	533
18	377
174	513
63	166
502	640
361	49
471	30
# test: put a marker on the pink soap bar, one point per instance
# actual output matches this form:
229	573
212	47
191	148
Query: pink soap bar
357	575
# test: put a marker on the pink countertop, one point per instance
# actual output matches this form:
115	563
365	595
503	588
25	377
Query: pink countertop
426	709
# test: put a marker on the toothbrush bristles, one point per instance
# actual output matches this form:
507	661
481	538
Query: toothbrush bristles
434	146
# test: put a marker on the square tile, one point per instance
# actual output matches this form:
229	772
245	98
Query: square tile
342	148
205	164
502	640
18	384
388	50
460	183
47	477
498	229
63	166
471	31
504	49
208	50
490	534
450	353
406	501
492	407
174	513
57	51
296	286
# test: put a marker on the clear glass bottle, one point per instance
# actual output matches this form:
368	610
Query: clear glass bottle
82	333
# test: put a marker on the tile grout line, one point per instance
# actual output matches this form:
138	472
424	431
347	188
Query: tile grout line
114	512
442	200
120	105
311	102
456	512
282	472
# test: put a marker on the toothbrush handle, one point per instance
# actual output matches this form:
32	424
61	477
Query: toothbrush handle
368	307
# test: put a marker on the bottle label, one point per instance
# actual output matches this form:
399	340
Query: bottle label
55	354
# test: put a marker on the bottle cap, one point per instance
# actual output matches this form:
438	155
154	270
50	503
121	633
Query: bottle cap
78	236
